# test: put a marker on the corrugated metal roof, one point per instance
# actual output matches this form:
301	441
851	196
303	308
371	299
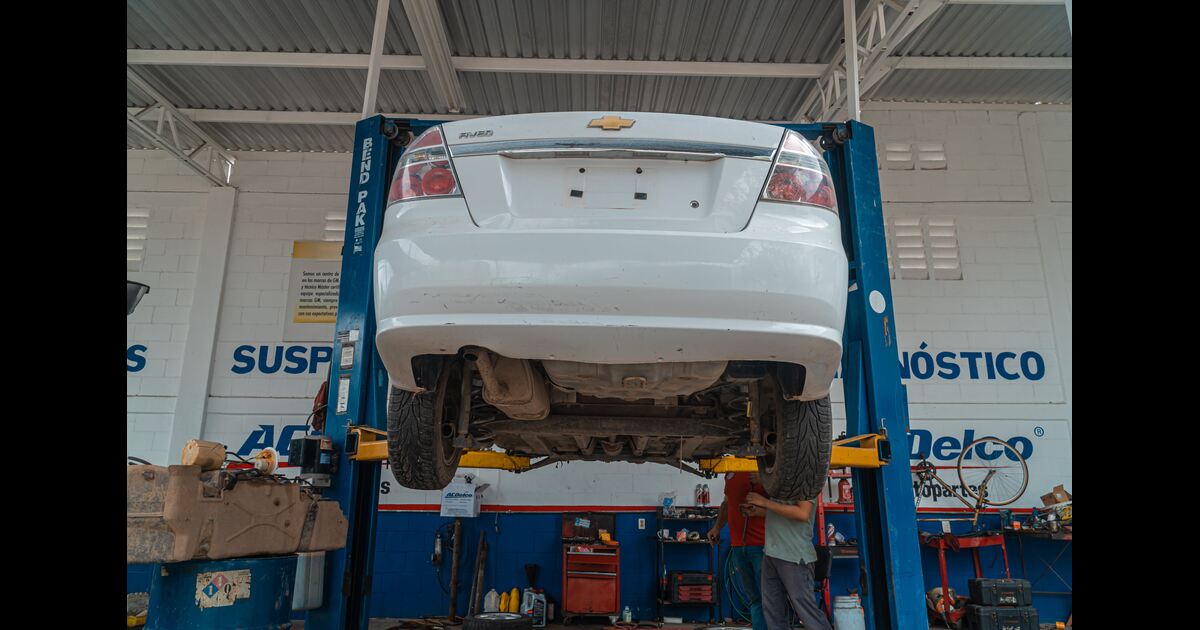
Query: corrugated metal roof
981	30
975	86
796	31
730	97
280	89
764	31
134	140
323	26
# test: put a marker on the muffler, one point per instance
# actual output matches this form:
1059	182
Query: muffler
510	385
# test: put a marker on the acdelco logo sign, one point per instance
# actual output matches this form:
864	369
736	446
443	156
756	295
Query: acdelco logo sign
264	436
923	445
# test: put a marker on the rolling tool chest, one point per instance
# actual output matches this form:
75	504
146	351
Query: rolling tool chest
591	569
591	579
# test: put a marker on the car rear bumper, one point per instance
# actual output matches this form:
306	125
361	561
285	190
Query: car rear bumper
775	291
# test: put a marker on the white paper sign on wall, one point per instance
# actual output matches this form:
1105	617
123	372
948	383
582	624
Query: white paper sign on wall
313	290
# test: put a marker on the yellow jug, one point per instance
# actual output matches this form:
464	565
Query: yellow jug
514	601
504	602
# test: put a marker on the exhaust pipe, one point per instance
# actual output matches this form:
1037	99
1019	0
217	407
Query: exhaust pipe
511	385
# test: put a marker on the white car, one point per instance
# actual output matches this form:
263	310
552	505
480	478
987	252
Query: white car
625	286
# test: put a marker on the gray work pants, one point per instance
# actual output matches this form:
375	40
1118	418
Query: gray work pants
786	583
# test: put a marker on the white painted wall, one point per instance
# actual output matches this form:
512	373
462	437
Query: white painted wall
1007	184
157	331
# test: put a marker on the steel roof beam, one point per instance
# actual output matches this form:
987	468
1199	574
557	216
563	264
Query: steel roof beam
371	90
231	59
1013	3
623	66
430	29
239	59
850	30
218	165
235	59
880	30
979	63
258	116
267	117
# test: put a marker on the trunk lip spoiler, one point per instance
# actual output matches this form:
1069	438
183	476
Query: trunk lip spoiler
638	147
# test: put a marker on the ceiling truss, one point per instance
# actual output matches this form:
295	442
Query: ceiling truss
182	137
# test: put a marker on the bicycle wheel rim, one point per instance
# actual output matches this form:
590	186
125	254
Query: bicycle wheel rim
1010	473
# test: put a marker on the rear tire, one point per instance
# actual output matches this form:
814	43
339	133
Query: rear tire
796	466
421	430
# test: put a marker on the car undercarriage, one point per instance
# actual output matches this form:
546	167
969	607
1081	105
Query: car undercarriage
557	411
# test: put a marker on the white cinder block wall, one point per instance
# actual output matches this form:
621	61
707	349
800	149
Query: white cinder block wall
1006	184
157	330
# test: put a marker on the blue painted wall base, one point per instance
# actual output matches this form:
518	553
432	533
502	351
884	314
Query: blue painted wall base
406	584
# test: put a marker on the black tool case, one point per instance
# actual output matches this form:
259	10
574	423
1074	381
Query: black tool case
1000	592
690	586
1001	617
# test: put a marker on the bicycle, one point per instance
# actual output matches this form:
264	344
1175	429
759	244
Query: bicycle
992	477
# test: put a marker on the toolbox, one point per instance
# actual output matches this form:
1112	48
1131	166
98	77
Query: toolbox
689	587
1000	592
1001	617
591	580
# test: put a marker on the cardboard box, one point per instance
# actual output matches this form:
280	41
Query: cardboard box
1057	495
461	497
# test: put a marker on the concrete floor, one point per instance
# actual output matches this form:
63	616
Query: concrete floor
387	624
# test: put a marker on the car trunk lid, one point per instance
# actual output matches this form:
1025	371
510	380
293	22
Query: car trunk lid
626	171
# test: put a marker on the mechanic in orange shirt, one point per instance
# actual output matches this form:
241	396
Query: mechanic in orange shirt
747	528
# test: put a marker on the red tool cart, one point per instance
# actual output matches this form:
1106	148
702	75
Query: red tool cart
591	580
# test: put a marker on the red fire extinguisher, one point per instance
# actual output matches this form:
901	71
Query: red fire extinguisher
845	494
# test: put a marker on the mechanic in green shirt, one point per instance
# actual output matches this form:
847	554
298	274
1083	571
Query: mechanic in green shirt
787	565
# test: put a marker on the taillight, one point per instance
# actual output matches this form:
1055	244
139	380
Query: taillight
425	169
799	175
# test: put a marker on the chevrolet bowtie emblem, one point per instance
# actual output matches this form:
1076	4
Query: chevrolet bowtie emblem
611	123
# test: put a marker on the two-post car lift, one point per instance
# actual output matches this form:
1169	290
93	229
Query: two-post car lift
875	400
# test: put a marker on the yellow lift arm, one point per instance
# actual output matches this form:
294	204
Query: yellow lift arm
366	444
873	452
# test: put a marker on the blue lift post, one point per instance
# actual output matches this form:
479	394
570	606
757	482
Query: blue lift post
875	398
358	384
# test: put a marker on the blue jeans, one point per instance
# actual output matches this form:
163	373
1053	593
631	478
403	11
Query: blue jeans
747	566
